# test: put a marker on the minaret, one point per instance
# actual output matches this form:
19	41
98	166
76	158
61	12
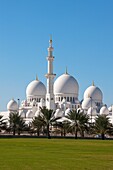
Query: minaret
50	102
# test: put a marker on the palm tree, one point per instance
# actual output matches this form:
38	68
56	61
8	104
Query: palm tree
16	122
64	127
2	123
47	118
79	122
102	125
37	124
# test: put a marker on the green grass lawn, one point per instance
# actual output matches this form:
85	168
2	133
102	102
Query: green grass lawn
55	154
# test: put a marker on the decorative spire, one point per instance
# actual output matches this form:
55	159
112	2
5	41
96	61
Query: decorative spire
66	70
50	41
93	84
36	77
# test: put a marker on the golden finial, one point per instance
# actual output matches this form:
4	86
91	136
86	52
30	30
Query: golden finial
50	41
93	83
36	77
66	71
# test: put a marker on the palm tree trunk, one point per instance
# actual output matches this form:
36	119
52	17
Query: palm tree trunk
82	134
38	132
13	132
103	136
48	134
64	133
61	132
75	133
19	133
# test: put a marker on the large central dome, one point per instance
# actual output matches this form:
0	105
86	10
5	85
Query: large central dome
66	84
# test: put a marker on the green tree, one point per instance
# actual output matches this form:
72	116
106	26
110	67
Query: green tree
17	124
3	124
64	127
47	118
79	122
102	125
37	125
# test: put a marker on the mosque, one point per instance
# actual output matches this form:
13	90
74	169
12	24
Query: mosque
60	95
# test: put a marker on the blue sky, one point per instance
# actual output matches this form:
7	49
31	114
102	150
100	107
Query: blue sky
82	32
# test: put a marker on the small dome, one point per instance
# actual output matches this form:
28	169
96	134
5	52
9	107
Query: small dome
66	84
110	109
104	110
80	110
92	111
36	88
22	114
58	113
87	103
38	113
67	111
29	114
12	105
94	93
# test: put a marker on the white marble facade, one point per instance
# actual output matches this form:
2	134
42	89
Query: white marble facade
60	95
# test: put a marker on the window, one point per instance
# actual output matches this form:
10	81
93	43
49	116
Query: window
67	99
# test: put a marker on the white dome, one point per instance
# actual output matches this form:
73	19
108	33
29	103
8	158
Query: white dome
104	110
38	113
66	84
64	119
22	113
87	103
58	113
67	111
36	88
29	114
92	111
110	109
94	92
80	110
12	105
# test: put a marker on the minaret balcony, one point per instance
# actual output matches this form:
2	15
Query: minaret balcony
50	58
50	49
50	75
